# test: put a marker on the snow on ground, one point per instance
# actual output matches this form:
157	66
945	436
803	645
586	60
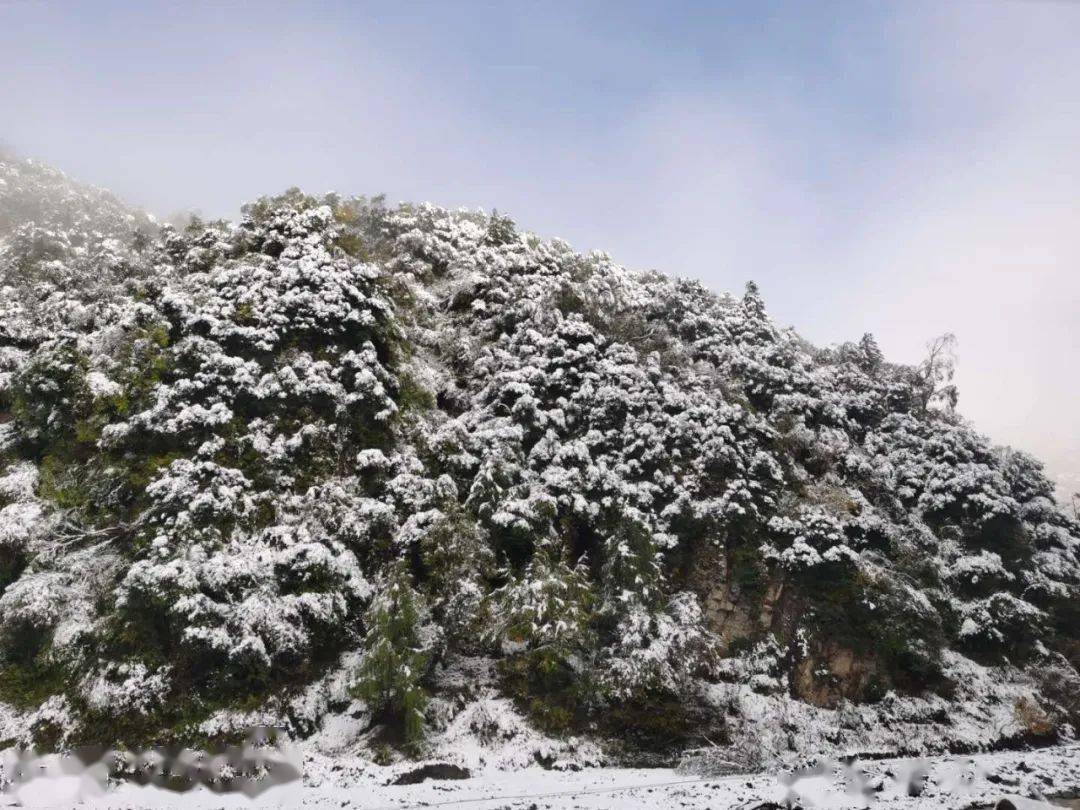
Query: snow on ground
484	734
951	782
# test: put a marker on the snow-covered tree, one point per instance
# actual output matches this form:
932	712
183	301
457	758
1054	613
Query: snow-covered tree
397	647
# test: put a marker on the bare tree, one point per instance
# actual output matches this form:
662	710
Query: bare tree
936	373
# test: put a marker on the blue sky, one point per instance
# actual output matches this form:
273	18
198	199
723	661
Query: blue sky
904	168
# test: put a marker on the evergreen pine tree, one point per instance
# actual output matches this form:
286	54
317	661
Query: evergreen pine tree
545	610
752	301
872	357
395	657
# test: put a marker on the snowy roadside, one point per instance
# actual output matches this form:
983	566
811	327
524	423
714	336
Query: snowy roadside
951	782
504	754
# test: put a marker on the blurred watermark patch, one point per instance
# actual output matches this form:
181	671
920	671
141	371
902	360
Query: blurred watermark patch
266	759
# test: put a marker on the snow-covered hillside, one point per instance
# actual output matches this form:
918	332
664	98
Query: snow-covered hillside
342	462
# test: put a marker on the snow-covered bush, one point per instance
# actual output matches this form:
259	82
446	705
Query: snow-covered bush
657	654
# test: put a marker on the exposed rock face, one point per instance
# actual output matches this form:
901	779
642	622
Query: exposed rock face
824	678
733	614
834	674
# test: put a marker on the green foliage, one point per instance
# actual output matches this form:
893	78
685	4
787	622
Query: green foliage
551	692
546	609
63	482
28	674
412	396
748	571
876	621
265	207
541	619
631	564
661	724
50	396
146	362
27	684
12	563
362	223
457	564
395	659
501	230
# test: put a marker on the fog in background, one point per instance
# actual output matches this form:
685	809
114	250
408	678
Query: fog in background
895	167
